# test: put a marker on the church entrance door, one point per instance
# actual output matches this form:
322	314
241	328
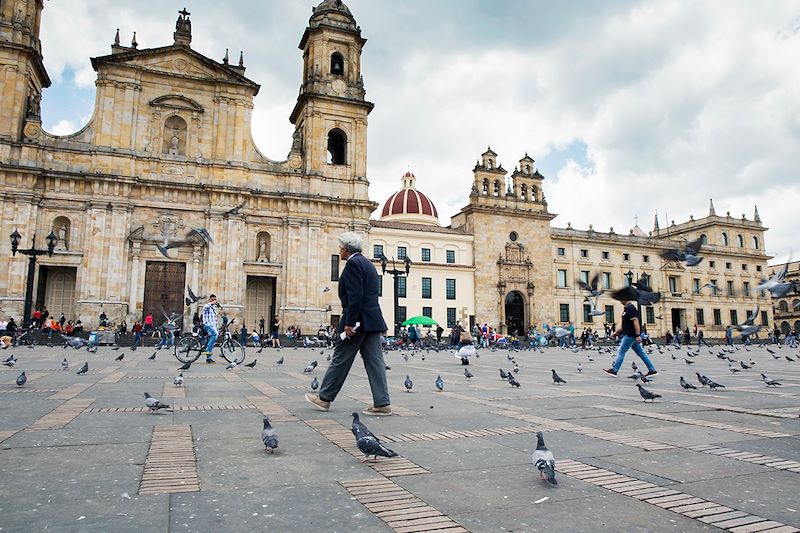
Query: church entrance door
260	302
164	288
515	313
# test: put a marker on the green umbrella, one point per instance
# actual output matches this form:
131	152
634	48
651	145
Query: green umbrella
421	320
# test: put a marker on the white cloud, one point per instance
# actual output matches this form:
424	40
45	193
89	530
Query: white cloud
63	127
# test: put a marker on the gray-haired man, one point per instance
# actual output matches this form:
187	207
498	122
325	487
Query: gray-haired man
358	292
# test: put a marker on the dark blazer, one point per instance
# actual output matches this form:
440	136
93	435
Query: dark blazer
358	292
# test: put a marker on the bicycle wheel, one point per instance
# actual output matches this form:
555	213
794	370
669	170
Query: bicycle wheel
187	350
232	351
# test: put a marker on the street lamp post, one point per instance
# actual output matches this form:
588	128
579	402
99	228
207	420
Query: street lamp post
396	274
630	275
32	253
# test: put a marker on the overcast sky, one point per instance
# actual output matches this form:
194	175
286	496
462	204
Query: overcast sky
628	107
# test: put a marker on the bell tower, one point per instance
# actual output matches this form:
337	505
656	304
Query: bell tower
22	72
330	116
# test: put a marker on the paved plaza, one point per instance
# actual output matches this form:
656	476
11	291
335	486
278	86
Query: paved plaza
80	453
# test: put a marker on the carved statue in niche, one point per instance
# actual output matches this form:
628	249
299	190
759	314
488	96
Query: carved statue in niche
175	136
34	104
61	230
263	241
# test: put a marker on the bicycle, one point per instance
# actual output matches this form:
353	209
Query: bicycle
189	349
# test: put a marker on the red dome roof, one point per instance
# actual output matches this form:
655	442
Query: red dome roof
409	204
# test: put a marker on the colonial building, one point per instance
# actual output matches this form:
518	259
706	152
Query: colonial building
164	189
169	149
787	309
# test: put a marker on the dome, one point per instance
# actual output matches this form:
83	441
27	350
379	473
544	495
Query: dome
410	205
335	6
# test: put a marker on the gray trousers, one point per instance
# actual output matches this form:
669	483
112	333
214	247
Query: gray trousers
343	356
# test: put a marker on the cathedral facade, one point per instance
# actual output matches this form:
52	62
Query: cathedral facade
164	189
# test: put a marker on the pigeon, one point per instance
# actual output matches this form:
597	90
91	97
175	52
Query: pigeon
192	297
556	378
153	404
328	358
120	357
690	254
774	280
202	233
368	443
646	394
405	357
64	364
633	366
686	385
152	356
22	379
710	285
733	369
268	436
439	383
185	366
580	368
468	374
769	381
83	369
503	374
310	368
10	361
593	310
408	384
689	361
315	384
178	381
253	364
591	287
11	357
513	381
543	460
231	365
789	359
646	295
260	350
133	348
713	384
745	366
279	361
92	349
516	368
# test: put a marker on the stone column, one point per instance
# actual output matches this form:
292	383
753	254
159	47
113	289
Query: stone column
133	285
115	275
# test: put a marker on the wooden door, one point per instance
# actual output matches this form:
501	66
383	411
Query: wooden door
164	285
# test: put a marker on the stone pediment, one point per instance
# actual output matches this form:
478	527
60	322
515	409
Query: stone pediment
174	61
176	101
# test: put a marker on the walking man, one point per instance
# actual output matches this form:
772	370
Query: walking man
362	323
210	325
631	333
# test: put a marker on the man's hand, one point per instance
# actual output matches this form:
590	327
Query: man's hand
349	331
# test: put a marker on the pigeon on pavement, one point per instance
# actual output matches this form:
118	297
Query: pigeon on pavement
580	368
279	361
231	365
686	385
310	368
120	357
513	381
153	404
83	369
769	381
556	378
367	442
503	374
64	364
468	374
408	384
439	383
543	460
22	379
152	356
268	436
713	384
646	394
252	364
185	366
315	384
178	381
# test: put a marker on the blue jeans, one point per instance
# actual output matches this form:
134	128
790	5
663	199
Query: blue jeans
137	338
167	340
625	344
212	338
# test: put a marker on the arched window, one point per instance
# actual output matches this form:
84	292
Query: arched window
795	305
337	64
704	239
496	188
785	328
523	191
783	307
485	186
489	164
527	169
645	280
337	147
263	245
61	229
755	243
534	194
740	241
724	239
175	136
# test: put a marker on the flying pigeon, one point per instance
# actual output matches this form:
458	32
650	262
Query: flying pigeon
310	368
408	384
268	436
439	383
279	361
202	233
513	381
775	279
314	384
83	369
252	365
503	374
185	366
153	404
367	442
543	460
769	381
120	357
710	285
591	287
556	378
151	357
690	254
686	385
22	379
468	374
646	394
64	364
178	381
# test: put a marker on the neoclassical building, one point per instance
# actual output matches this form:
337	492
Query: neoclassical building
164	189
